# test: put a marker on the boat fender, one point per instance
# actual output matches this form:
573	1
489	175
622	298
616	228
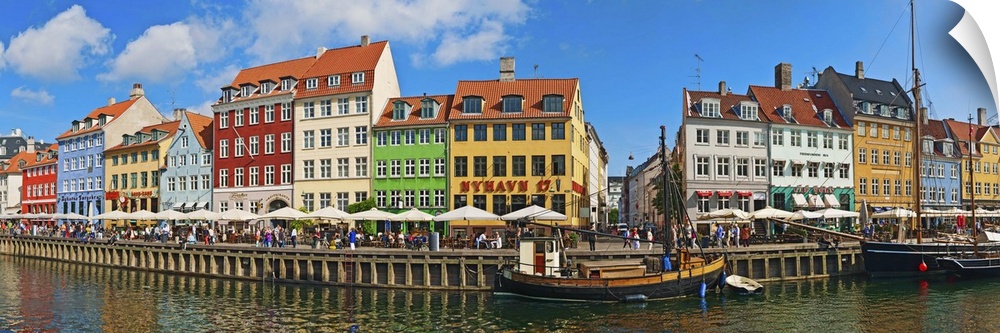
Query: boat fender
666	263
635	298
722	280
701	292
922	267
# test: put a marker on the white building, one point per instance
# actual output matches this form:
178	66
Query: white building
597	178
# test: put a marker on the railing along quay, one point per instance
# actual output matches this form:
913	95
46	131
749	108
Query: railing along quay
397	268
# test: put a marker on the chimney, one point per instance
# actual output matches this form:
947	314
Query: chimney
722	88
783	76
111	101
364	40
506	69
136	91
30	146
982	116
859	70
178	113
923	116
319	51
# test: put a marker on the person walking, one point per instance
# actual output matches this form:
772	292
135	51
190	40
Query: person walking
352	238
736	234
295	234
635	238
649	237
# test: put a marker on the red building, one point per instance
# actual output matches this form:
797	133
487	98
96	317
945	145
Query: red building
38	187
252	159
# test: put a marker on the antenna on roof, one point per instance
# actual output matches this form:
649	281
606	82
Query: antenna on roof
536	71
697	71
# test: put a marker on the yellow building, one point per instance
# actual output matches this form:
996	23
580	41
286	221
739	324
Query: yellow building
517	142
984	179
883	136
132	168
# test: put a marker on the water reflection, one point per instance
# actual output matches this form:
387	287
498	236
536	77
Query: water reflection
46	296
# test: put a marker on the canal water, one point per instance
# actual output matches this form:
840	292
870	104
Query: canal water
46	296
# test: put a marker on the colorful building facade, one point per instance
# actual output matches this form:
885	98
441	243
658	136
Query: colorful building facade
133	168
11	179
38	191
980	157
186	182
940	176
337	101
410	155
516	143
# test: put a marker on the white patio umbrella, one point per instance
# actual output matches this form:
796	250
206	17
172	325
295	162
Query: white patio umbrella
466	213
112	215
372	215
329	213
202	214
534	212
237	215
802	215
69	216
412	215
833	213
729	213
285	213
770	213
895	213
931	212
955	211
980	212
170	214
141	215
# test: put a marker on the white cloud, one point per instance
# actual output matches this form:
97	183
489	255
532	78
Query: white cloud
205	108
167	52
291	29
58	49
211	82
40	96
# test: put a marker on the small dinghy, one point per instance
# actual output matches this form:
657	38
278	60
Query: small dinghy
744	285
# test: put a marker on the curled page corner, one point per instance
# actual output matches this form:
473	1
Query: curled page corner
971	34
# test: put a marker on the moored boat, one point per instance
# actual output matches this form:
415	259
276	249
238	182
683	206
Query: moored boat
971	266
744	285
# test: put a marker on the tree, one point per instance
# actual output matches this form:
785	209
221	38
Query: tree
361	206
613	216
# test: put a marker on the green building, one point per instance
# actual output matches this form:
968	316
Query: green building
410	156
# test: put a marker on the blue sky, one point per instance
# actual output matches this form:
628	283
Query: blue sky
61	59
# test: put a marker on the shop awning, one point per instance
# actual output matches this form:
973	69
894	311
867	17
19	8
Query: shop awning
816	201
177	205
798	162
744	193
203	205
703	194
800	200
189	204
831	201
725	194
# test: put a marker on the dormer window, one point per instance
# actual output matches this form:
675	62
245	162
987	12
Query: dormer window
901	113
312	83
358	77
552	103
883	110
748	110
946	148
287	84
472	104
266	87
512	103
246	90
428	108
399	110
828	117
227	95
333	80
101	120
786	113
76	126
928	146
710	108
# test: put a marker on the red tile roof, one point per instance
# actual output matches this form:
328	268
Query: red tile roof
202	127
273	72
413	118
343	62
961	130
45	159
114	110
169	127
531	89
727	103
807	105
21	156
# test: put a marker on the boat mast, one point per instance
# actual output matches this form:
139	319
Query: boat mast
918	123
972	195
668	240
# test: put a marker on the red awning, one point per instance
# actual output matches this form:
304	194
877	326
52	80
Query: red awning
703	193
744	193
725	193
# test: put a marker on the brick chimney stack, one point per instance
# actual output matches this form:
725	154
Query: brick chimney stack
136	91
859	70
982	116
783	76
111	101
506	69
364	40
178	113
722	88
923	116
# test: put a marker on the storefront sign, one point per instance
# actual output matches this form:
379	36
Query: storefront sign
277	196
238	196
139	194
813	189
500	186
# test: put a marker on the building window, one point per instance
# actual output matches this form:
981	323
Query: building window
512	103
440	134
269	144
710	109
701	166
308	169
361	135
479	166
343	167
343	136
558	131
394	168
286	142
398	110
722	137
286	174
472	104
286	111
358	77
537	165
394	138
742	138
312	83
518	166
224	119
408	137
461	166
427	107
268	175
361	104
499	166
479	132
537	131
461	133
517	132
325	168
332	81
308	110
380	169
552	103
325	108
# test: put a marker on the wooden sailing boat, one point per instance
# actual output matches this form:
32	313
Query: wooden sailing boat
904	259
542	271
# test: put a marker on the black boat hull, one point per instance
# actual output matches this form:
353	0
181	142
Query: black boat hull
971	267
667	285
882	259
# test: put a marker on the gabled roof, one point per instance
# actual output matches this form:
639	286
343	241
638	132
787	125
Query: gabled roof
201	126
169	127
532	90
114	110
961	131
343	62
413	118
875	90
273	72
807	106
728	104
25	156
46	160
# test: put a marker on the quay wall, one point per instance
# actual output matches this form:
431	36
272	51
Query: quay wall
438	270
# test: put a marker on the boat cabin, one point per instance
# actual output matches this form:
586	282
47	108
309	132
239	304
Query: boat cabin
540	256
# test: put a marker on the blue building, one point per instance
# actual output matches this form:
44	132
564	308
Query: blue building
80	179
940	173
186	182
